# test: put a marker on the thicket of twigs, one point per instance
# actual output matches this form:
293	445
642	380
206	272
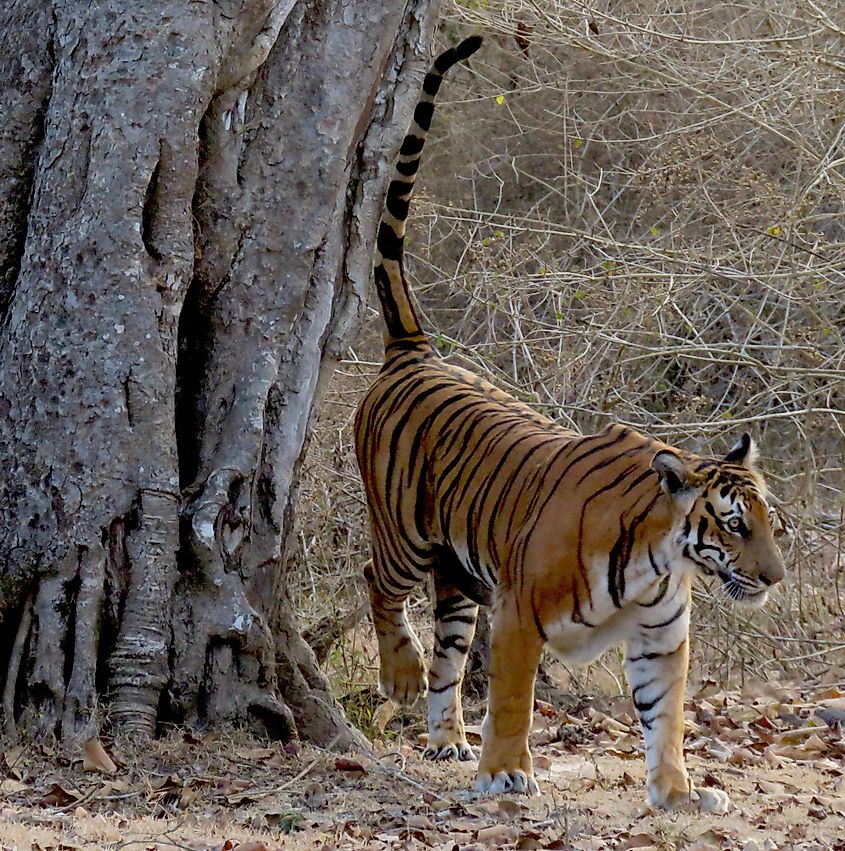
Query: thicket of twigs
636	213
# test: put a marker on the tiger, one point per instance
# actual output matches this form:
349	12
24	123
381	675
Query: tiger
579	542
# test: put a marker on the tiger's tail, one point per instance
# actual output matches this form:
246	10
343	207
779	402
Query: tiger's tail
397	306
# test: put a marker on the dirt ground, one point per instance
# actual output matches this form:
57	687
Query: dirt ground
778	750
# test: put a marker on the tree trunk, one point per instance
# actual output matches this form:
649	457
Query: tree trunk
188	201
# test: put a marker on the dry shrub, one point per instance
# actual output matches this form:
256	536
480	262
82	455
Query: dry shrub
636	214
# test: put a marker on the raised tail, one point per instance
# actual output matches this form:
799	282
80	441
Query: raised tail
397	305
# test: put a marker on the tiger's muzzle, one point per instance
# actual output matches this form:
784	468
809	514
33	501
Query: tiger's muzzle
753	590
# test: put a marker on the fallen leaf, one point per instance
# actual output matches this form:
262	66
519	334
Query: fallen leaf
719	749
741	714
794	737
743	756
96	758
349	765
256	754
541	763
637	840
713	839
13	759
712	781
545	709
495	832
473	733
510	809
59	796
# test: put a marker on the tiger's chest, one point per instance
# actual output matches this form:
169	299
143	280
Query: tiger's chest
603	625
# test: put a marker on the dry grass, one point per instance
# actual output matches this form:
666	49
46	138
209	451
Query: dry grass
637	215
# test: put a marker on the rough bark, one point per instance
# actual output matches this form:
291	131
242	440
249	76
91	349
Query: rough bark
188	198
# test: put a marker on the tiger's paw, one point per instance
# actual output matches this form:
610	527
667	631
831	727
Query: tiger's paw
439	747
693	800
500	782
403	678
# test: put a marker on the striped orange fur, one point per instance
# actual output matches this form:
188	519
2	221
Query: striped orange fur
580	542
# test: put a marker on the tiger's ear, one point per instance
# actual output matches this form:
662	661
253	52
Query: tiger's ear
674	474
744	452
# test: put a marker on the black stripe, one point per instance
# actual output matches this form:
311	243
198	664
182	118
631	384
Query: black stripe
620	554
398	207
457	54
441	689
577	617
431	83
648	723
465	619
411	145
388	243
409	168
388	305
476	506
648	705
541	632
654	565
664	587
655	654
400	348
674	617
467	47
423	113
646	684
450	642
448	604
612	583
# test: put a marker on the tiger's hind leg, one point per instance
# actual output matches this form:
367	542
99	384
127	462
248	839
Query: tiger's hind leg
402	669
454	626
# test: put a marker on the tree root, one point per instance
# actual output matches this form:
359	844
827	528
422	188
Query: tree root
14	667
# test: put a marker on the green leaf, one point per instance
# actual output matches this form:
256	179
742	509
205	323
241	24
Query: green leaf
500	99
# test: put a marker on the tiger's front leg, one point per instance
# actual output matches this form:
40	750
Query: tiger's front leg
656	662
515	649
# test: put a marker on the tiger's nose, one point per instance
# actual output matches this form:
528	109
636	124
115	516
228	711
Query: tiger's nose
772	573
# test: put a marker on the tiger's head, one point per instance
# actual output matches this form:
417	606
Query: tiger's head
727	527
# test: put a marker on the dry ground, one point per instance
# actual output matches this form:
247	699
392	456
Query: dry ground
779	750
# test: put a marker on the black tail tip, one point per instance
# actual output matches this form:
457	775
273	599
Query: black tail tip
468	46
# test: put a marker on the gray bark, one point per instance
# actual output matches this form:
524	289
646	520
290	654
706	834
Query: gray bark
188	202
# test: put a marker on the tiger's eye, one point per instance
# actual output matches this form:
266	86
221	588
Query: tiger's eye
734	524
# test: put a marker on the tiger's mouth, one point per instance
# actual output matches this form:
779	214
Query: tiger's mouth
740	591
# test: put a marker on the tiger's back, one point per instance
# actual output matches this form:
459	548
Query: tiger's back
438	447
